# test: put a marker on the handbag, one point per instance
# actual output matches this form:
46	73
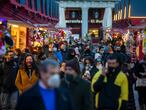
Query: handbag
141	82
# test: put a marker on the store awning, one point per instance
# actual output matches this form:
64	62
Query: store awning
21	23
138	21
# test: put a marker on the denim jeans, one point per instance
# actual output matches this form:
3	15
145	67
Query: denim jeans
8	101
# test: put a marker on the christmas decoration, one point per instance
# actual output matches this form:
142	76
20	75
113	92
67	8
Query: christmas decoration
5	37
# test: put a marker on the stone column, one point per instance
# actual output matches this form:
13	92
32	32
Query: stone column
107	19
84	21
62	22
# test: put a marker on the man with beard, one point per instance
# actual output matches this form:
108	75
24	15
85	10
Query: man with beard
8	98
111	86
88	52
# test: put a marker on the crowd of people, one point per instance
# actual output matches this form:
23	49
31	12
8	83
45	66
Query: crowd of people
71	76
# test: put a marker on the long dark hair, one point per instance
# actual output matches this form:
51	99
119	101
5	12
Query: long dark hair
34	66
91	60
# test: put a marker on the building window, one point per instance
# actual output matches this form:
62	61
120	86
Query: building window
18	1
125	12
116	17
23	2
73	14
35	5
129	11
30	4
42	6
96	14
46	11
121	14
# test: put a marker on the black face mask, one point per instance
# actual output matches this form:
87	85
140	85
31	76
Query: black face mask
114	70
111	70
69	77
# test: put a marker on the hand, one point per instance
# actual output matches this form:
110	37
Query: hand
104	71
62	69
86	77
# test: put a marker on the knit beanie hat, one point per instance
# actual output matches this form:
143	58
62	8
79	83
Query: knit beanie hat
74	64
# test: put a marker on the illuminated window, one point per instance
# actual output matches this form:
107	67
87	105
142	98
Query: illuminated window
30	3
116	17
42	6
119	16
125	12
129	11
35	5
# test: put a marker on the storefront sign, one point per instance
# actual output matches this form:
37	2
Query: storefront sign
80	21
95	21
73	21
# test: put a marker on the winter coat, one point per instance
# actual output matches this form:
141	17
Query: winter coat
111	92
32	100
131	101
10	70
64	54
58	54
88	53
1	74
23	82
139	69
80	93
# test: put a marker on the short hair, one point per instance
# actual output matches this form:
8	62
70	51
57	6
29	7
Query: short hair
114	57
47	62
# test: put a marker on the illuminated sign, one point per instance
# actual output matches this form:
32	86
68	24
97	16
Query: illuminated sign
96	21
80	21
73	21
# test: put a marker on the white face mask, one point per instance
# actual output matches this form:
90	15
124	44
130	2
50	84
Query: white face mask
54	81
55	49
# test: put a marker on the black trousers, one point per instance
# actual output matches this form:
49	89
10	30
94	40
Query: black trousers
142	96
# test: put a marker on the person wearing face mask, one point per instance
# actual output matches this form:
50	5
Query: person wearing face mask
99	64
27	74
8	97
46	93
111	86
77	87
88	52
57	53
63	49
97	53
71	54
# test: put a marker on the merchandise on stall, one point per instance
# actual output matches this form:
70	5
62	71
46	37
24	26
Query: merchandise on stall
5	37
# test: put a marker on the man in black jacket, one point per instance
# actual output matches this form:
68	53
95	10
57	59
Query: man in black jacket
8	98
46	94
79	88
